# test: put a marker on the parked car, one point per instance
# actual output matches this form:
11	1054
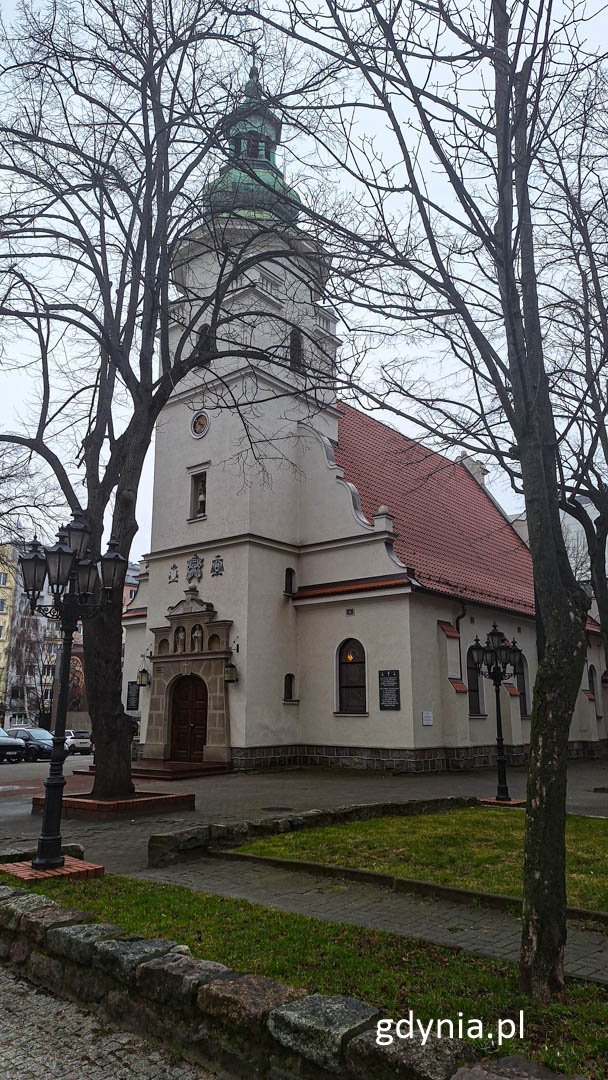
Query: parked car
78	742
11	749
38	741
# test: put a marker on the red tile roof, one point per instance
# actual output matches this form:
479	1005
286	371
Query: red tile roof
448	528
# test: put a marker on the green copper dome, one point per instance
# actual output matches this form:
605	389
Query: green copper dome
251	184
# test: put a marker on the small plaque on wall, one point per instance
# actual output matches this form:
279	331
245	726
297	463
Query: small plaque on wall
132	697
427	718
390	690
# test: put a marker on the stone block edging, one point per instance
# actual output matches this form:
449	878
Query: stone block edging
248	1024
165	848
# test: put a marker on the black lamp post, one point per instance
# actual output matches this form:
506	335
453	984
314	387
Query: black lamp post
496	656
73	580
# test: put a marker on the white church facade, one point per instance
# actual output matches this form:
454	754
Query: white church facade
316	579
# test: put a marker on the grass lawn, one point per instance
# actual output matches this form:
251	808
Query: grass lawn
393	973
474	848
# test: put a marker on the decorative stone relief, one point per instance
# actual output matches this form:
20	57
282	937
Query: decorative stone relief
173	574
180	639
217	566
194	568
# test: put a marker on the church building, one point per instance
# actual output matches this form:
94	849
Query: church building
316	580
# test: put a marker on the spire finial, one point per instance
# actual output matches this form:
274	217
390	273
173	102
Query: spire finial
252	87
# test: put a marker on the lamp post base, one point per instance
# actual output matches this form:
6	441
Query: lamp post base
48	856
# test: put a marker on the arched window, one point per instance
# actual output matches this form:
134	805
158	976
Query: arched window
289	683
296	352
523	687
290	581
475	685
352	693
594	689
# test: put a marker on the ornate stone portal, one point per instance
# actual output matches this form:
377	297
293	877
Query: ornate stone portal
194	643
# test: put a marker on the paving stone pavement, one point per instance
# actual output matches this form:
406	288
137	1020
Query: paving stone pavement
42	1038
479	930
121	846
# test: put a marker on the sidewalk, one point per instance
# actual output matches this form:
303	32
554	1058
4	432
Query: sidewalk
478	930
121	846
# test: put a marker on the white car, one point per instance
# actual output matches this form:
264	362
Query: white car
78	742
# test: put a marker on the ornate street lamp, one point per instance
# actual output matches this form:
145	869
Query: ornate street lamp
496	656
73	580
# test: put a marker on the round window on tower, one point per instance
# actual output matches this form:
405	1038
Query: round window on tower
199	425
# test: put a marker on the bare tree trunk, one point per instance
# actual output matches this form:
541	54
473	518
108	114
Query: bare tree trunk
563	607
112	728
103	638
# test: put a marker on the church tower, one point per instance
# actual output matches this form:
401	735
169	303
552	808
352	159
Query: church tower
233	458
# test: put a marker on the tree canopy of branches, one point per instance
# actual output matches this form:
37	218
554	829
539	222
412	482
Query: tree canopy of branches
576	250
29	501
444	144
112	126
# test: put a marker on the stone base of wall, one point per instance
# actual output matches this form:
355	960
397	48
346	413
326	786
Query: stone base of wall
434	759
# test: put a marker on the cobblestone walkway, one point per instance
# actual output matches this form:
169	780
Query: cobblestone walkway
483	931
42	1038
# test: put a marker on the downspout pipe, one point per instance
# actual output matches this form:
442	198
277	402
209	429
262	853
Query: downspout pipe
457	622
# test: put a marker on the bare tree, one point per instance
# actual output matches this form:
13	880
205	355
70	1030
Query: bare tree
29	499
439	141
32	663
575	247
113	123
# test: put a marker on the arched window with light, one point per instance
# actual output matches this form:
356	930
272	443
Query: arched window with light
352	686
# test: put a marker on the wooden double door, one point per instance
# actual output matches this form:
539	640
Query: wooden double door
189	719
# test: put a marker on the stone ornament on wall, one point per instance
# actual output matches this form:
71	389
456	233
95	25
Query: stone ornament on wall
194	568
217	566
173	574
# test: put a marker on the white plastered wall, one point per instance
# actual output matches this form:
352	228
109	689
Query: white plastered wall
381	624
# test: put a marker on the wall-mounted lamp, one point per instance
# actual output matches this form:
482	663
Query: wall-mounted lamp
231	674
143	675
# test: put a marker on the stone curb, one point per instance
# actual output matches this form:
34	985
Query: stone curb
250	1025
165	848
502	901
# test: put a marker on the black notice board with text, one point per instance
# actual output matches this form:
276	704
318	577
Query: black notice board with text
132	697
390	690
